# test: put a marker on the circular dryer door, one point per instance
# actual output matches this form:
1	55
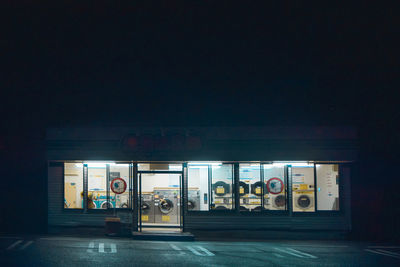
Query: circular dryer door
166	206
106	205
280	201
257	189
303	201
221	188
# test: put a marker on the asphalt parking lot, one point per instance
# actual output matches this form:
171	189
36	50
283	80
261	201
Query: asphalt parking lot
76	251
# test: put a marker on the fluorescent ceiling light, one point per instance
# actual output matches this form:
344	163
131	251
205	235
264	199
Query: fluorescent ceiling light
99	164
206	163
198	167
175	167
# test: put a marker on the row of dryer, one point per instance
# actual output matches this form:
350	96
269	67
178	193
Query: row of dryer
162	206
273	191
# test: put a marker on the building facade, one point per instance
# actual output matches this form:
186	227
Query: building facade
202	178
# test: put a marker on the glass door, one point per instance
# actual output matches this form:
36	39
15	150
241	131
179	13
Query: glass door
160	200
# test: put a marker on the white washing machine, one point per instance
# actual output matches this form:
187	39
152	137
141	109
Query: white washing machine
166	206
193	202
147	208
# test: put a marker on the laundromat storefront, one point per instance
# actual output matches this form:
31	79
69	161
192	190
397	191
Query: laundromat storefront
202	178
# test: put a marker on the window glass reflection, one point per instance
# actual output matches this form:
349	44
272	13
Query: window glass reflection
327	186
73	185
250	187
275	197
222	181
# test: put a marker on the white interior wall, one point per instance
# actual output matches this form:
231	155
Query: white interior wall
327	188
97	178
198	178
149	181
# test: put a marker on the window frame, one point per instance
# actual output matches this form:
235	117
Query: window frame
341	210
72	210
85	180
209	178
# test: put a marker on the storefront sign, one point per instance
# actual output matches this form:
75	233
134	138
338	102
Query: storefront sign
118	186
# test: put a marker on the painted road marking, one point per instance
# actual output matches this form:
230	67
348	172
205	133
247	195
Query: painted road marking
13	245
174	247
177	249
383	252
19	244
383	247
195	252
91	247
318	246
296	253
27	244
101	248
389	252
302	253
113	248
209	253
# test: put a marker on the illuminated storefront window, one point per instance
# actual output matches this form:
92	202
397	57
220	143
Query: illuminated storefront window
303	189
73	185
97	187
210	185
250	187
275	197
119	171
198	188
222	187
327	186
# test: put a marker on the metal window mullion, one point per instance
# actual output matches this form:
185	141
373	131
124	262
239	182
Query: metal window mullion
210	198
236	186
262	186
315	189
140	202
135	193
288	172
185	192
85	188
108	186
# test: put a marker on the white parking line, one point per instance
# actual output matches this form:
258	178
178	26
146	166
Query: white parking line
101	247
113	248
27	244
209	253
296	253
198	253
195	252
91	247
16	243
175	247
302	253
383	247
389	252
317	246
382	253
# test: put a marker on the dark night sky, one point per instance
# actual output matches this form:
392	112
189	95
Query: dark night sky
203	63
